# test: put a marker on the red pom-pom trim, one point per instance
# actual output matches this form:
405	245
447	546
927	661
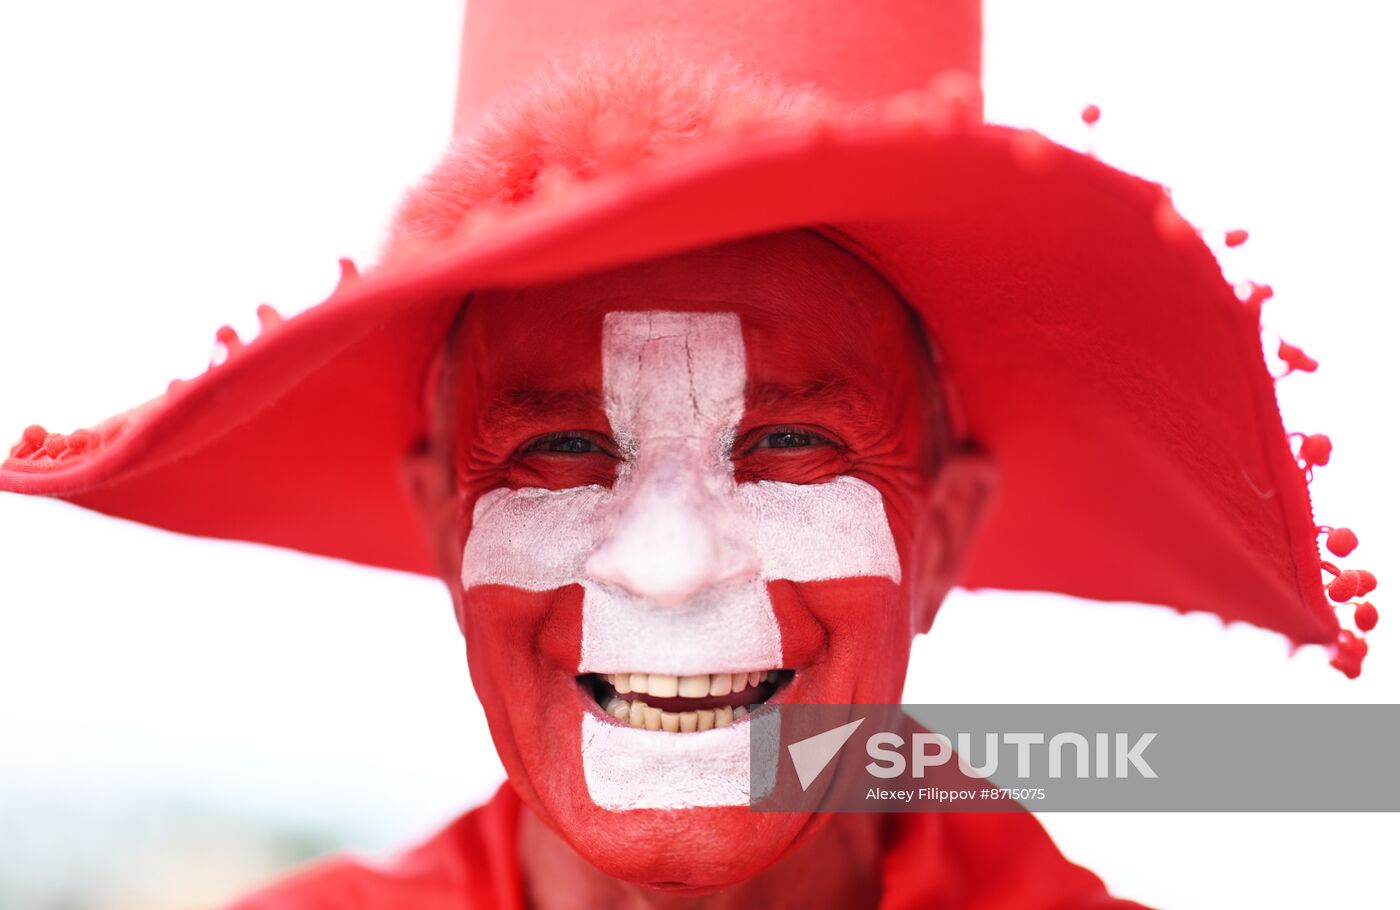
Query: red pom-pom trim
1341	541
1295	358
1315	451
1348	653
1344	587
1365	583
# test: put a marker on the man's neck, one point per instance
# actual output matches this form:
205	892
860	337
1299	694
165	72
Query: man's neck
839	867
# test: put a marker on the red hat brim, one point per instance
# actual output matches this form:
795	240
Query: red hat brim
1096	351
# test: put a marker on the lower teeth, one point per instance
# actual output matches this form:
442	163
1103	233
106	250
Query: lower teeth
639	714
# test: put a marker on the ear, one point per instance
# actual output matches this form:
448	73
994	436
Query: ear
429	484
944	529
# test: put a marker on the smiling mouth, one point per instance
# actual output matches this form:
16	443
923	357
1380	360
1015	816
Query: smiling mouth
682	704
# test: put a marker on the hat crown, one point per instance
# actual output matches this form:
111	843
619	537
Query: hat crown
853	51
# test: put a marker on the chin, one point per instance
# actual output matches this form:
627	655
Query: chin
693	850
645	794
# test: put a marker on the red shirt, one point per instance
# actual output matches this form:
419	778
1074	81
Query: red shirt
970	861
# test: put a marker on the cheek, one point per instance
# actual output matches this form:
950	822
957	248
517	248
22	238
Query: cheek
821	464
519	644
903	491
559	472
858	627
518	635
856	630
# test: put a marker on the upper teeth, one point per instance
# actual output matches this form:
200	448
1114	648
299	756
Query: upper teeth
698	686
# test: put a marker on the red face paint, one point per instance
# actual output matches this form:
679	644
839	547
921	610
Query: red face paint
599	411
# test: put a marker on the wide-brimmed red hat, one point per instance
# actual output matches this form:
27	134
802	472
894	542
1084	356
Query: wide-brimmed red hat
1094	349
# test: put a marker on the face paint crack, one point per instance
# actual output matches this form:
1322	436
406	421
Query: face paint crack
690	379
682	704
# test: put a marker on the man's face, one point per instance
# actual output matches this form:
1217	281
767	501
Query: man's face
688	487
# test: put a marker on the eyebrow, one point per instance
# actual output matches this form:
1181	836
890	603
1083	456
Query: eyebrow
520	403
826	392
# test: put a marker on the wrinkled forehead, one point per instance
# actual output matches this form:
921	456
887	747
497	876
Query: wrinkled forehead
809	313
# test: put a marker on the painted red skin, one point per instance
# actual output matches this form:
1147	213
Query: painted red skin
813	316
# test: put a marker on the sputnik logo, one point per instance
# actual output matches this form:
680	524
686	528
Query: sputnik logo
810	756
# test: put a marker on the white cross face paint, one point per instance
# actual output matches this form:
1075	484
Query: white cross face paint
675	557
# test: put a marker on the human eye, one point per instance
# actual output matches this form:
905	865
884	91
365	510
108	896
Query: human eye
570	442
788	439
790	453
783	439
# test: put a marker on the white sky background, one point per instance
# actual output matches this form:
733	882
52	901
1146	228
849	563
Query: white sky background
165	167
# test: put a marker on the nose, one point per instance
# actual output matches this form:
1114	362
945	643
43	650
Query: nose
677	534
